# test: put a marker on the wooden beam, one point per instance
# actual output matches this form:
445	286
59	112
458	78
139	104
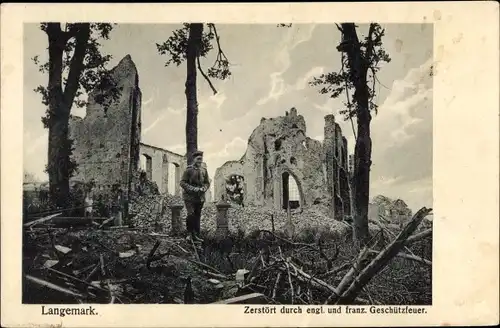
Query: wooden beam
254	298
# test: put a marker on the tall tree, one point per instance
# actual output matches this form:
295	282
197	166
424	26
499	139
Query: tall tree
75	65
360	61
189	44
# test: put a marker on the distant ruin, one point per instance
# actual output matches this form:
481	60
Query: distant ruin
282	164
382	207
107	145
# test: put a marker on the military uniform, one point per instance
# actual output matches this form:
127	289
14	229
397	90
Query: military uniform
195	183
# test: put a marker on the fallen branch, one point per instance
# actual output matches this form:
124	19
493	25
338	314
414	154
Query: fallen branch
336	270
168	241
65	275
315	282
151	253
53	286
254	267
273	295
290	282
41	220
419	236
350	275
106	222
383	228
206	266
408	257
194	248
91	274
101	261
319	249
383	258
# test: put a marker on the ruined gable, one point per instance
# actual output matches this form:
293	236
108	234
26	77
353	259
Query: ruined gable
281	162
106	144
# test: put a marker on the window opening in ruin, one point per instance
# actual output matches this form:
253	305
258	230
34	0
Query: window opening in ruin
277	144
294	126
304	144
291	193
171	167
147	166
235	189
293	160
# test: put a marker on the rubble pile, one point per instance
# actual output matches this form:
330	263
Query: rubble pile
99	266
94	265
152	212
145	212
251	218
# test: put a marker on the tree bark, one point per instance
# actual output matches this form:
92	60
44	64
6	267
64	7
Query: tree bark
363	147
58	160
192	52
59	166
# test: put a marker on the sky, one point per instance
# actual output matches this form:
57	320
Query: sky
270	68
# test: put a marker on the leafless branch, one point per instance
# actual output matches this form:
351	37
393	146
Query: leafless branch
205	75
220	54
421	235
411	257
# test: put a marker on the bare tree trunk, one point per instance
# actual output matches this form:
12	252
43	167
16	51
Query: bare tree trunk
59	166
194	43
363	147
57	163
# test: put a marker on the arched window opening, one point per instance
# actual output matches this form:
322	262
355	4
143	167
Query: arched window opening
291	192
235	189
146	163
172	183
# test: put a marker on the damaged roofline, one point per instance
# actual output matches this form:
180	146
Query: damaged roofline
160	149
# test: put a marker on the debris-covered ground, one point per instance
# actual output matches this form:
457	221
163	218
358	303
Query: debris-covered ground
144	264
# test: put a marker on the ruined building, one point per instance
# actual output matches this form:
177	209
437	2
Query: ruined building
282	165
107	145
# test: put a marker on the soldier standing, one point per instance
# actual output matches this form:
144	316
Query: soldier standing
195	183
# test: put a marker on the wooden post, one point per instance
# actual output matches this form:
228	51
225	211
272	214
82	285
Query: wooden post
177	226
117	207
289	228
222	220
159	217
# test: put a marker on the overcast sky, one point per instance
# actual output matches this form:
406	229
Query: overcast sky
271	68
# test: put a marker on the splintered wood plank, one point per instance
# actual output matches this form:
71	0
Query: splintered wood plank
254	298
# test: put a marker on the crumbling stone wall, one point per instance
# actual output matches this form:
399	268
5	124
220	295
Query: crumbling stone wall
279	147
223	173
106	144
160	158
392	210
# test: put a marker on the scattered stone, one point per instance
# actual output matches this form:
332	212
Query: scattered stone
126	254
62	249
50	263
